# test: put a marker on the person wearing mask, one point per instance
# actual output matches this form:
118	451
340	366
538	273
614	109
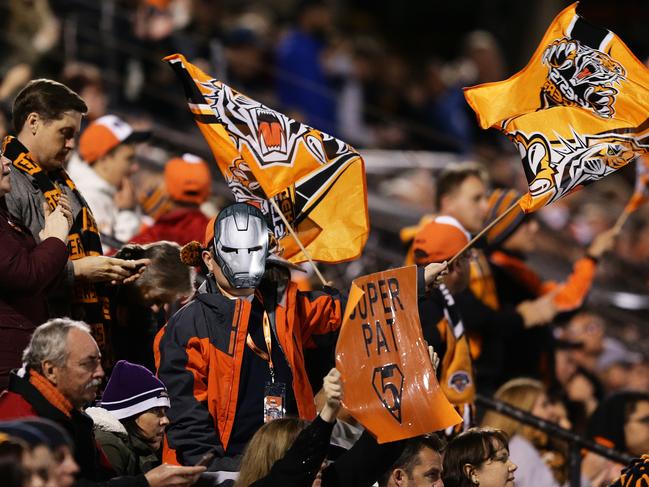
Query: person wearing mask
27	272
233	357
131	421
239	342
61	374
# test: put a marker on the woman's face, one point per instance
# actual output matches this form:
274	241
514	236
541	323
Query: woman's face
496	472
66	467
542	407
152	424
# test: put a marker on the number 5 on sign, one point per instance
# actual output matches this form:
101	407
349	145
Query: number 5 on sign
389	382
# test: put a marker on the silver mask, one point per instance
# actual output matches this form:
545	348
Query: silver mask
241	244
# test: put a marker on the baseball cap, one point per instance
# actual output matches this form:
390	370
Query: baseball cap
106	133
439	240
188	179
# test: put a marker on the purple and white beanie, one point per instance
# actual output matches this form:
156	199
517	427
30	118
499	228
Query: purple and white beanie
132	389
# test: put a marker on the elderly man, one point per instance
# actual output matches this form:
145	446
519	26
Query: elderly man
61	374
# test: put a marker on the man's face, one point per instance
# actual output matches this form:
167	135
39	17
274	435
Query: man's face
468	204
54	140
427	471
636	430
80	377
121	162
588	329
523	239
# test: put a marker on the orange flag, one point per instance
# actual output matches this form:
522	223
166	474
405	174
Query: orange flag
317	180
577	112
388	379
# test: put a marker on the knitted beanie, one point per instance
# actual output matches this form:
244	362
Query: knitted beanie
133	389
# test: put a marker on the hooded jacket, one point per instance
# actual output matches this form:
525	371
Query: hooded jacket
199	357
128	455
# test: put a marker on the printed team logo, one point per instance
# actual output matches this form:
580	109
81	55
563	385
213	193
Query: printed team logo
271	137
388	385
555	168
579	75
459	381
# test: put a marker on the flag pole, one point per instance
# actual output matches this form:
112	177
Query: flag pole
621	220
297	240
485	230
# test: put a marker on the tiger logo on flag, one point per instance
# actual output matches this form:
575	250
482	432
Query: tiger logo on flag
579	75
271	136
561	166
296	175
577	112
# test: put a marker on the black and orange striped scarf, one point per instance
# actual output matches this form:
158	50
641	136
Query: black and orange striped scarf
83	239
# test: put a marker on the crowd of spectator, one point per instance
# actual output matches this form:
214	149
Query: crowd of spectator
134	353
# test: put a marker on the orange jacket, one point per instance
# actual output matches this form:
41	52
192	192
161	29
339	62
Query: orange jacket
199	355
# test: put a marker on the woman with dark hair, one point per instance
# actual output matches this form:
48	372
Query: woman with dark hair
131	421
479	456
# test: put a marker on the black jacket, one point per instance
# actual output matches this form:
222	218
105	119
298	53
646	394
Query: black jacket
360	466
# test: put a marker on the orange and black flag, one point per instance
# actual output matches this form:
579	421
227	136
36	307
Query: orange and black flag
316	180
577	112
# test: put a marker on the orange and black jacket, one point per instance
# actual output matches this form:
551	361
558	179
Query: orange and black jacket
199	357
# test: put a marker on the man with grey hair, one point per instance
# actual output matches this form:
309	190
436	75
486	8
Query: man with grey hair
61	374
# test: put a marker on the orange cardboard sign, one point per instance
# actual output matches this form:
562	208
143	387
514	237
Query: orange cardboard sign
388	379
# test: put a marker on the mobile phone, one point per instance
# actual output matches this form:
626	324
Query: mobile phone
205	460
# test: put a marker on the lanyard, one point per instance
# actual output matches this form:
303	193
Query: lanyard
267	338
259	352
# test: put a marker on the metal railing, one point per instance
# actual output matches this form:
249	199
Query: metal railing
575	442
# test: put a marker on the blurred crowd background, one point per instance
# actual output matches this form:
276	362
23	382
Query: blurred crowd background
384	76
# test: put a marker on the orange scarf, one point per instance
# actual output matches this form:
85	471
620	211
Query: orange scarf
51	393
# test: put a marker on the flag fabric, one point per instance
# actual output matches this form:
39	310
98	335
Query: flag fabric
317	181
577	112
389	382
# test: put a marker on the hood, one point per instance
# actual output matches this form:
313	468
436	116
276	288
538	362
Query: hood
105	421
